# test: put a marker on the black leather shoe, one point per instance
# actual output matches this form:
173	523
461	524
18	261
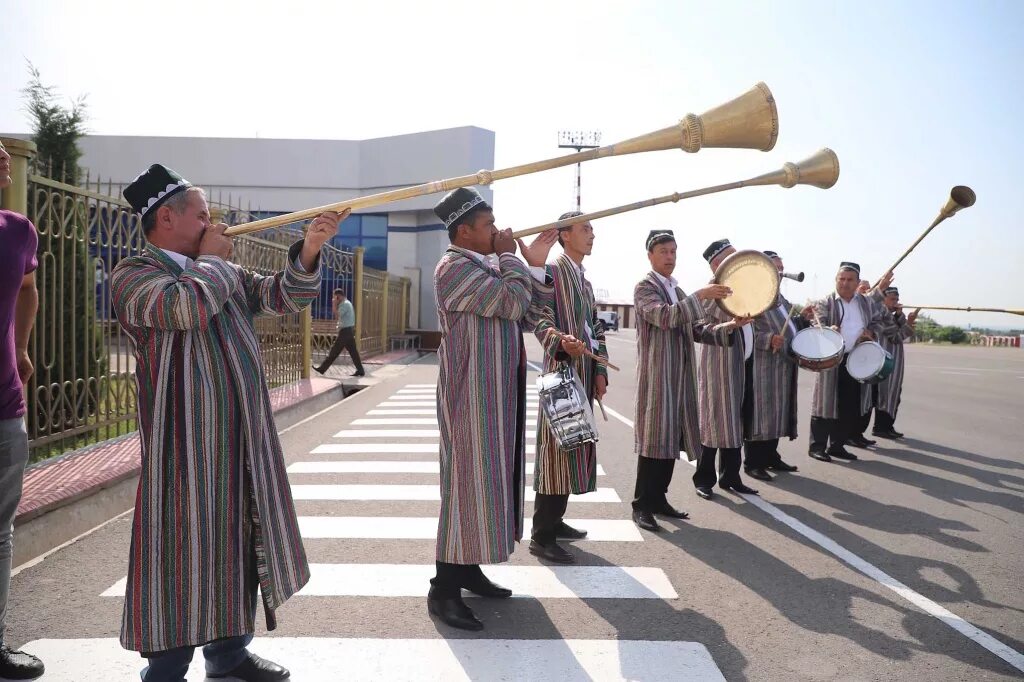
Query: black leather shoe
452	611
779	465
566	532
738	488
552	552
482	586
820	456
671	512
759	474
841	453
705	493
17	665
255	669
889	435
645	520
860	442
359	373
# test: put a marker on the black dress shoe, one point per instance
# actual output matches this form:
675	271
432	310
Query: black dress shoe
482	586
860	442
759	474
17	665
452	611
779	465
705	493
890	435
359	373
645	520
671	512
738	488
820	456
552	552
255	669
842	453
566	532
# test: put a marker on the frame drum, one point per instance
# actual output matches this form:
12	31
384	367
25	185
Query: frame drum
754	281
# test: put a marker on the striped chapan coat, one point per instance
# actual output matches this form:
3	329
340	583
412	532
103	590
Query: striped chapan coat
774	413
666	395
214	515
896	330
568	306
826	387
721	378
481	405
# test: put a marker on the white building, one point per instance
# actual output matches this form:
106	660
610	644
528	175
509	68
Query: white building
280	176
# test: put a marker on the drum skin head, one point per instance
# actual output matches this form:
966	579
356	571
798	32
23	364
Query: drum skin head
754	281
817	349
865	360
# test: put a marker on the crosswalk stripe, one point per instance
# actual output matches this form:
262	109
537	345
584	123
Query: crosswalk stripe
410	421
410	410
380	467
537	582
400	433
381	448
530	403
317	659
421	385
394	492
425	528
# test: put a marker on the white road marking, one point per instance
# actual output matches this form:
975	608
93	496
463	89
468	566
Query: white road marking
380	467
425	528
373	448
410	421
1008	654
964	374
400	433
395	492
317	659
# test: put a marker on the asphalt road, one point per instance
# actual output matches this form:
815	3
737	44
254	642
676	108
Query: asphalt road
906	564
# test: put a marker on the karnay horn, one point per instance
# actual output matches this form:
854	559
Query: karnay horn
968	309
821	169
750	121
960	197
797	276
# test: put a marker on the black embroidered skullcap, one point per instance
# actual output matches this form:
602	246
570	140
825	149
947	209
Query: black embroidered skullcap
716	248
458	203
153	187
566	215
891	290
847	265
771	254
655	237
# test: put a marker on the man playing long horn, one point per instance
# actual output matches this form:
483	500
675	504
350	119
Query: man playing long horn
773	376
898	328
567	326
666	418
839	399
481	403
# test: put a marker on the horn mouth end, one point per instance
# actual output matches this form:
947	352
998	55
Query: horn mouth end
963	196
774	111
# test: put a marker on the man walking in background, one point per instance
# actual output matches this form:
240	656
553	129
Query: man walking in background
346	340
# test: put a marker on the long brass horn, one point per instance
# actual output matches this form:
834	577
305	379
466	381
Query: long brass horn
750	121
821	169
960	197
968	309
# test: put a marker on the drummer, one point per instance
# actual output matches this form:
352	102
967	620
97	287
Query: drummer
567	327
726	391
887	393
839	399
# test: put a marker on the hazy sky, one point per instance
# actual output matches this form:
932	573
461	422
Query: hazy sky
914	97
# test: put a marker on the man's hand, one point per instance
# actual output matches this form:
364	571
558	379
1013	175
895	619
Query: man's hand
536	254
741	321
867	335
912	317
214	243
808	313
600	386
319	232
886	281
572	346
714	291
503	242
777	342
25	367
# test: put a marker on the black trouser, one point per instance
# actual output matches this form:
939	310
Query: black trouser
548	511
833	433
653	477
884	421
865	419
451	577
729	467
346	340
760	454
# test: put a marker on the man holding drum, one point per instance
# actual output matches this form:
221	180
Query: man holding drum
666	415
886	395
839	399
567	325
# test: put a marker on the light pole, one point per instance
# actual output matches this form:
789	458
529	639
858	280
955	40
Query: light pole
578	140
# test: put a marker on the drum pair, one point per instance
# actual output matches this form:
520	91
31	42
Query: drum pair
564	403
819	349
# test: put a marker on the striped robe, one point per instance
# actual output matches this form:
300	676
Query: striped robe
895	332
481	405
826	394
214	510
568	302
721	379
666	395
775	376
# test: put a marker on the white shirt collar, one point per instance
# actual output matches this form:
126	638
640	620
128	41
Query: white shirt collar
182	260
670	282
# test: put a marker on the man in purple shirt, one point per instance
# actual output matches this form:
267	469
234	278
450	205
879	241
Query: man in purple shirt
18	303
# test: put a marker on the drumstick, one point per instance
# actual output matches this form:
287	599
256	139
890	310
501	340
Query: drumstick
784	327
596	358
603	413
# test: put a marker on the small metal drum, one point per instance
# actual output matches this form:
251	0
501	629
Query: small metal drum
817	348
754	281
565	404
869	363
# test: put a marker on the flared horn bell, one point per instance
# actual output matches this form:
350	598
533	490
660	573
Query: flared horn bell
960	197
820	169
